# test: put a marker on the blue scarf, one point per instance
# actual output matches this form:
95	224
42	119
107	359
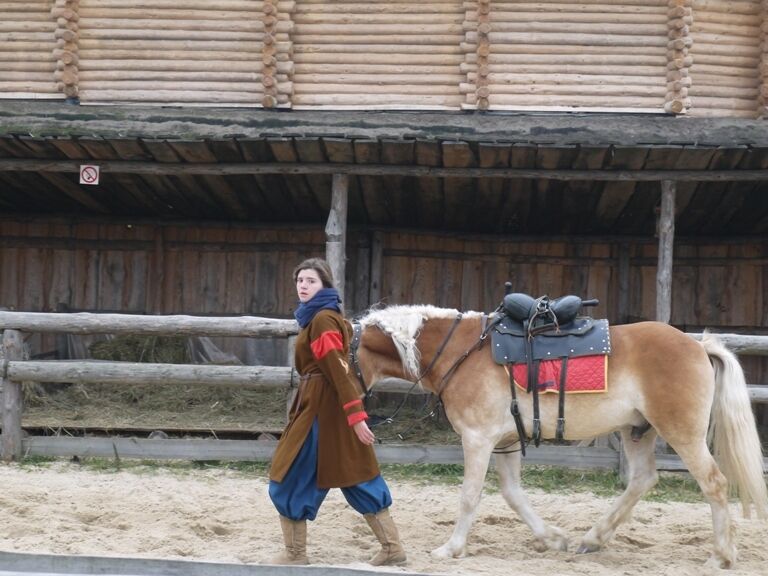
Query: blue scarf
326	298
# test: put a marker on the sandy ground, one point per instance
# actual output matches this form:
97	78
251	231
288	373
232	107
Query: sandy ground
225	516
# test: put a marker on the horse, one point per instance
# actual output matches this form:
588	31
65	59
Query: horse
663	382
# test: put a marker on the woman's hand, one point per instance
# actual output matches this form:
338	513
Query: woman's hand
364	433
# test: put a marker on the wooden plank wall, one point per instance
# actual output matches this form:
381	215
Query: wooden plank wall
561	55
391	54
203	52
218	269
27	42
727	53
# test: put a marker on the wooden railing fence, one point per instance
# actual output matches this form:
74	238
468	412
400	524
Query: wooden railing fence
14	370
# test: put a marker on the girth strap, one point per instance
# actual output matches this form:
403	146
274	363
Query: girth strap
514	408
560	432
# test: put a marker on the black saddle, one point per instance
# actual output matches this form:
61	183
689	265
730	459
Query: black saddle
530	330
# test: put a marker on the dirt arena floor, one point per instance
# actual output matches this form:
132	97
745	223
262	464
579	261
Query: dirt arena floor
226	516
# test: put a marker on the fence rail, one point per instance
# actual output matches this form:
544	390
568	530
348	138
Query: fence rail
14	370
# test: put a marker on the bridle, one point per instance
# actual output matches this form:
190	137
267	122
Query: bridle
430	408
357	335
357	332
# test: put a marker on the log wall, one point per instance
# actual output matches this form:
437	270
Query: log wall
562	55
702	56
727	53
391	54
27	42
204	52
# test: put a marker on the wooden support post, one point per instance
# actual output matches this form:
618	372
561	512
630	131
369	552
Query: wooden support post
363	273
377	255
666	233
623	300
62	339
13	398
336	230
294	385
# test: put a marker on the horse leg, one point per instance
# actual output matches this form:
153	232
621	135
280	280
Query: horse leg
547	537
477	455
641	460
714	485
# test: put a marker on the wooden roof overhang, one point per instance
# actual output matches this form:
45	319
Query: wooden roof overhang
465	173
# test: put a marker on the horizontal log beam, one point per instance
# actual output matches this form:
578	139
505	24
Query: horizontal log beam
87	323
255	450
742	344
97	372
261	451
758	394
240	168
80	372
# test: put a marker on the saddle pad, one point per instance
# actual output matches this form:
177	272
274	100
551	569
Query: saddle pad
588	374
508	348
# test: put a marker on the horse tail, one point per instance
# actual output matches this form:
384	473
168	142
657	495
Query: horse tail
732	431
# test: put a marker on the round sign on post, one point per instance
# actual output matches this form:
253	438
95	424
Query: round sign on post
89	174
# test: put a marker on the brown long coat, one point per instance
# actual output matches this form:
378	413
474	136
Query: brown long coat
333	396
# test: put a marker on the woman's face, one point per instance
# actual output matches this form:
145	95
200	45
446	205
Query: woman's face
308	284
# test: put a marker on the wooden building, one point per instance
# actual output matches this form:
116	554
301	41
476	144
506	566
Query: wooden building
550	144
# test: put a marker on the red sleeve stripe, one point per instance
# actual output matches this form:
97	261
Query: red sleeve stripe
327	341
353	419
353	403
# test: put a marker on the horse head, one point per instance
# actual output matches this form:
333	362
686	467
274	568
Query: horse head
406	342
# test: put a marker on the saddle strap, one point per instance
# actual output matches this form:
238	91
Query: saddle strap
533	382
560	432
536	432
514	408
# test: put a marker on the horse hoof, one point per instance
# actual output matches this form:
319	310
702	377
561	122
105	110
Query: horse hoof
556	544
444	553
585	548
715	563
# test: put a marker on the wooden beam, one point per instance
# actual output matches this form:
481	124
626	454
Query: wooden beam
666	243
336	231
80	372
295	168
13	397
623	283
88	323
377	267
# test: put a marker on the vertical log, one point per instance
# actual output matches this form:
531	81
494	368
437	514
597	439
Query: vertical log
666	242
336	230
62	340
293	387
12	398
363	274
762	91
623	311
680	18
156	288
65	13
377	256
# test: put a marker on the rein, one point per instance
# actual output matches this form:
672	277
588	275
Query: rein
430	407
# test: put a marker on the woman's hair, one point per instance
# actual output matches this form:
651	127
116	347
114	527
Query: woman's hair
318	265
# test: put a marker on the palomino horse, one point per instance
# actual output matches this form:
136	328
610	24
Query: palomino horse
657	375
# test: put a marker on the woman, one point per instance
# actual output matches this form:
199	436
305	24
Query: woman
327	443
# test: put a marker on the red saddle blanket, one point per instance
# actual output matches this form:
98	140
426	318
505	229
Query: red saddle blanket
585	374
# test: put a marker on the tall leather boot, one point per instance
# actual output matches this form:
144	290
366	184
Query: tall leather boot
384	528
295	538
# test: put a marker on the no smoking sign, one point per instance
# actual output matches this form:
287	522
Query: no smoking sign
89	174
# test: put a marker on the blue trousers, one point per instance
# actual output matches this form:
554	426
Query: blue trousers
297	497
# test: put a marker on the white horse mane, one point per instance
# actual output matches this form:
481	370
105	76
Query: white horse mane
403	324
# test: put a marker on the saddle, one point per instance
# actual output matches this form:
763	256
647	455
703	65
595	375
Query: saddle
529	330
